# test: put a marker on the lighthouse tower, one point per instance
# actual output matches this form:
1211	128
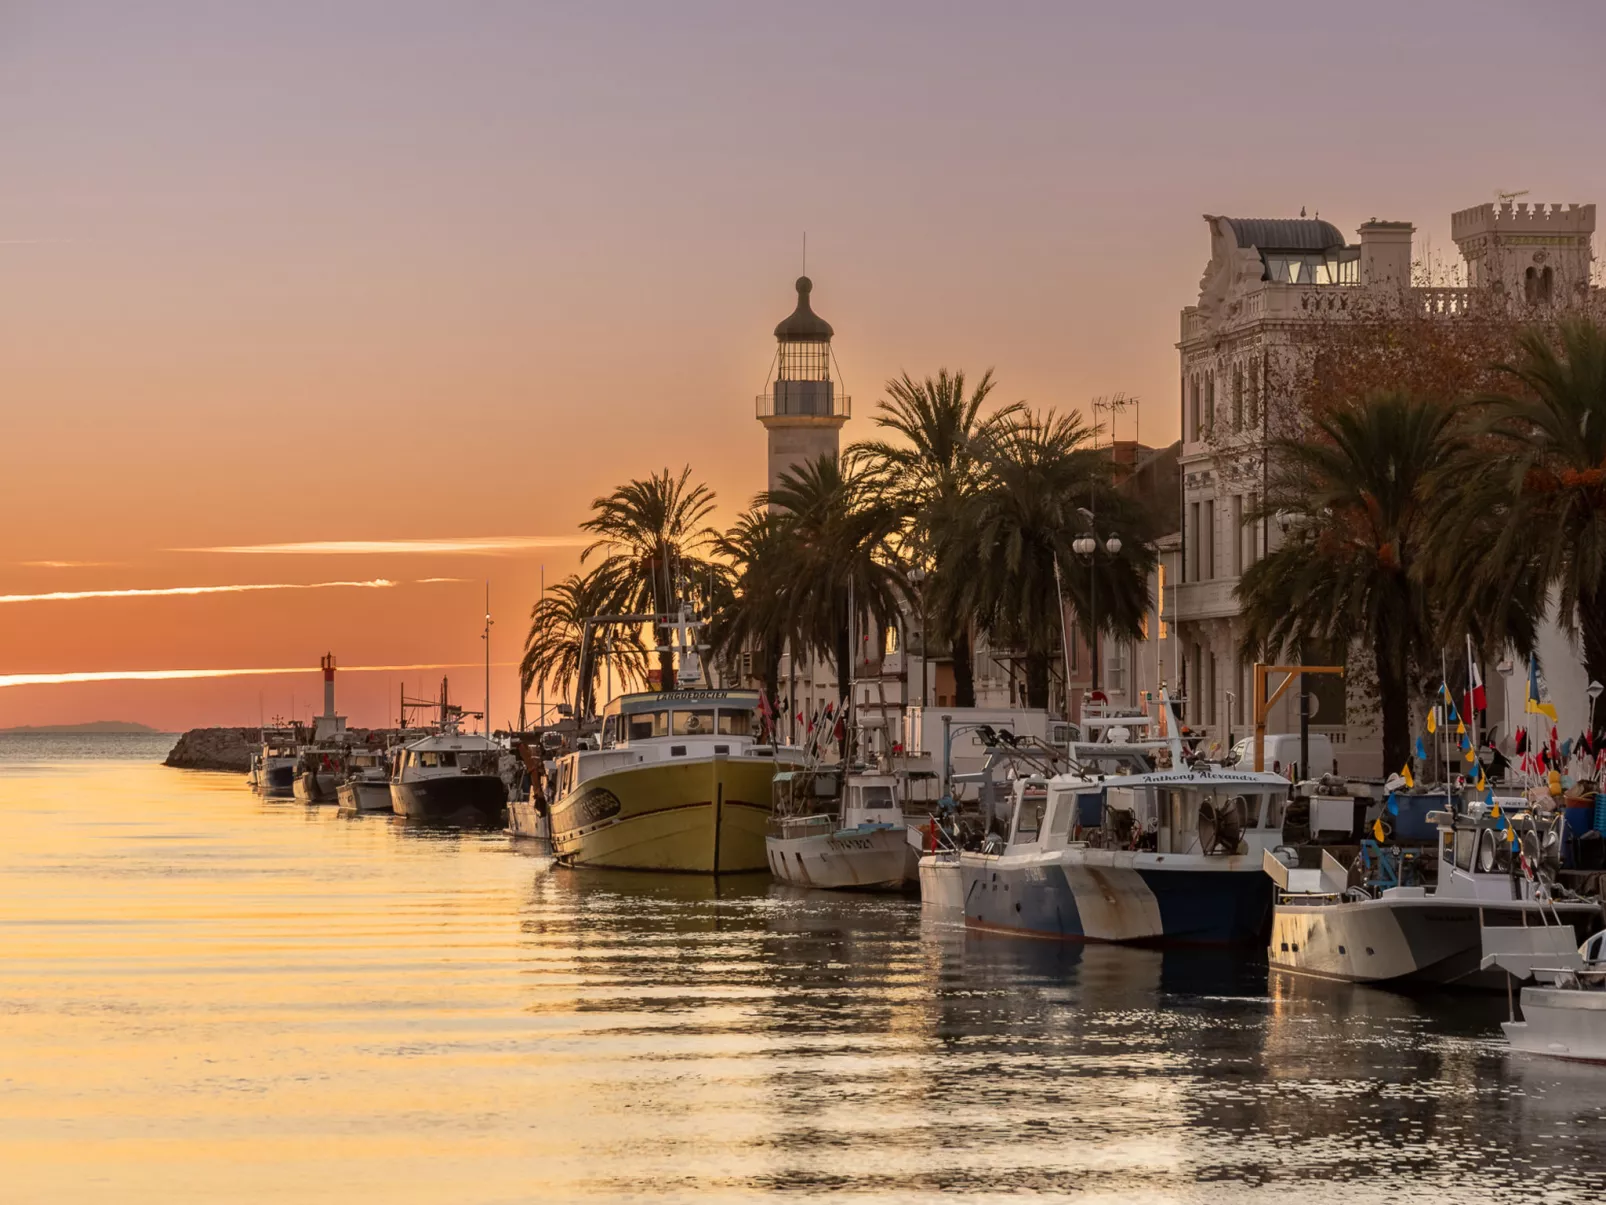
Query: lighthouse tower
802	411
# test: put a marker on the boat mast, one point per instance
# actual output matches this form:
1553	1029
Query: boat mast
487	638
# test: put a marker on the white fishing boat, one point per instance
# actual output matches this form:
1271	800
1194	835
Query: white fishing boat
859	843
367	784
1564	1009
1395	930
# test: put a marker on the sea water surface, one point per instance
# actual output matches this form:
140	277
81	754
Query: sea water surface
205	996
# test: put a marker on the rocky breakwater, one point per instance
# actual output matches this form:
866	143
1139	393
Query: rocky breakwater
215	749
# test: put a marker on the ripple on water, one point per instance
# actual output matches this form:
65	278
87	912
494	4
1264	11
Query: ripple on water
208	995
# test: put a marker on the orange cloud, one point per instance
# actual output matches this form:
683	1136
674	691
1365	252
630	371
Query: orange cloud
473	545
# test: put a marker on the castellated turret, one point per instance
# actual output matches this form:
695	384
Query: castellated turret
1533	255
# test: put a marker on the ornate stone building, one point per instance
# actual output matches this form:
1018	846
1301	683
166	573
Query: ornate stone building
1270	287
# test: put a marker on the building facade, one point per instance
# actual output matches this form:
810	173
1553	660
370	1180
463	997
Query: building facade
1269	289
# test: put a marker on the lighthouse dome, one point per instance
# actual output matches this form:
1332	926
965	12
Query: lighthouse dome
803	325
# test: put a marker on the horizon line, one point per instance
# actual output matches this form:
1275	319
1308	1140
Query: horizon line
174	675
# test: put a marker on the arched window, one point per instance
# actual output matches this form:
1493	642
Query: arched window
1547	279
1530	285
1238	398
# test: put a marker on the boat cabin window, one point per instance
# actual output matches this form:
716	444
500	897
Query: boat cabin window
876	796
735	723
1063	813
433	759
694	723
1029	815
649	723
1274	810
1090	810
610	730
1465	840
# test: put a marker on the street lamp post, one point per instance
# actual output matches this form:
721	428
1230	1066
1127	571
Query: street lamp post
1086	546
917	575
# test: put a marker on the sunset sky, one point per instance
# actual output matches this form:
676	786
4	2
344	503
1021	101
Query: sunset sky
380	281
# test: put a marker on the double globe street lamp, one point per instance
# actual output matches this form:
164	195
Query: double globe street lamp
1086	546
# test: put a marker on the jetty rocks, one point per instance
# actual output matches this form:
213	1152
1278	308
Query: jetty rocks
215	749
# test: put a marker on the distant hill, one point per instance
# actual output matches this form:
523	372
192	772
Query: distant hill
92	726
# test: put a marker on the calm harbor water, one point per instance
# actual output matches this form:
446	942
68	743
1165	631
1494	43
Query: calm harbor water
206	996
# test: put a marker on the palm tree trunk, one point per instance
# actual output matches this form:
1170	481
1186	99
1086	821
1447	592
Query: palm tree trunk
964	669
1037	680
772	673
844	651
1394	693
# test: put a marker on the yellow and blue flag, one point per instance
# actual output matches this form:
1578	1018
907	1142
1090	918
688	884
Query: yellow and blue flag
1532	702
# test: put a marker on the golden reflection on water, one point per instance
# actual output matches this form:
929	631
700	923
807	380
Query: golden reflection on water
207	996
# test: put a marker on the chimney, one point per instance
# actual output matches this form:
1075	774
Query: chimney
1386	253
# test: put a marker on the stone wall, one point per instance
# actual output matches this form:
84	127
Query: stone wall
215	749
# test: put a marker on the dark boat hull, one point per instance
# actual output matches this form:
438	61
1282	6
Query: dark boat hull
278	780
466	800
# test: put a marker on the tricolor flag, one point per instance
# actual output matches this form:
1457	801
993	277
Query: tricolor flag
1476	700
1533	703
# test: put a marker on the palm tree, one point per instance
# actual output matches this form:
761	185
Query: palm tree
929	474
655	535
558	652
840	529
1041	485
1526	522
752	611
1356	497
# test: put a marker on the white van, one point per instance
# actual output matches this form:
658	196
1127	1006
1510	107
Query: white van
1282	753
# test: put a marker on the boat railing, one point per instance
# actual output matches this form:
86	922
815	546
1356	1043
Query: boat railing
789	827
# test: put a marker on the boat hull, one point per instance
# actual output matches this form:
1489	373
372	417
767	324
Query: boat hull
1117	896
277	778
364	795
873	857
1562	1023
704	816
316	787
942	884
526	819
464	800
1410	940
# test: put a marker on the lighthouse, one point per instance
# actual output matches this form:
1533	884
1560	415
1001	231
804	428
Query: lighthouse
802	411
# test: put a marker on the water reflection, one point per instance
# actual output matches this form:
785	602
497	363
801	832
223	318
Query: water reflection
213	995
